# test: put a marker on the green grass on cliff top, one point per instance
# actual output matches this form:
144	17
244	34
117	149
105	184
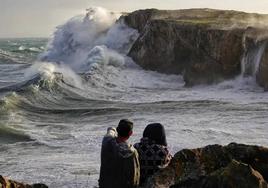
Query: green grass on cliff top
211	17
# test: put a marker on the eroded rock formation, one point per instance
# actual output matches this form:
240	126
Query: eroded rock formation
204	45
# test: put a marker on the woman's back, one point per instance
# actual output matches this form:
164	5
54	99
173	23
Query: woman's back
153	151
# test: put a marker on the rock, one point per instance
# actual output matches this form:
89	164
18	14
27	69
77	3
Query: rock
235	175
7	183
204	45
215	166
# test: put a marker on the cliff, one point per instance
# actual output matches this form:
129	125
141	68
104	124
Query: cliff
204	45
215	166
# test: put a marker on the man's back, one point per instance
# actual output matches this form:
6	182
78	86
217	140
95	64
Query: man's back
119	163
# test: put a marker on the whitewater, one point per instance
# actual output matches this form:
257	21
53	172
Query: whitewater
59	95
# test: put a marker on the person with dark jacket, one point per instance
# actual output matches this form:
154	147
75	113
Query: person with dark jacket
120	166
153	151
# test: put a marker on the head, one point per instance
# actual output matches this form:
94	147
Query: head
156	133
124	128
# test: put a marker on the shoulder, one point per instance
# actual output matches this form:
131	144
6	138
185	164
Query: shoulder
137	145
163	150
126	150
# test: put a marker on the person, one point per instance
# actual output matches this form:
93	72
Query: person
120	166
153	151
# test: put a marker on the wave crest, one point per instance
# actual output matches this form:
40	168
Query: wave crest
91	38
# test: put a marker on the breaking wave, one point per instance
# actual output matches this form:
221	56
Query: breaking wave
84	81
95	38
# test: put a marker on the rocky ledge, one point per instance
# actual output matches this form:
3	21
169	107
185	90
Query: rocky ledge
7	183
215	166
204	45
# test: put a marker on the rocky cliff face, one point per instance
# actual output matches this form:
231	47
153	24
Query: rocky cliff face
204	45
215	166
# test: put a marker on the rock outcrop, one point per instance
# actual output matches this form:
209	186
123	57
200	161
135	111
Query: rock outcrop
204	45
215	166
7	183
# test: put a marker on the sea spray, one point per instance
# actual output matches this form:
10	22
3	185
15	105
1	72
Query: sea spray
67	124
120	37
251	59
90	44
250	63
89	39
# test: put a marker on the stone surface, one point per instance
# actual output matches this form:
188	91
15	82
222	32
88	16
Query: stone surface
204	45
215	166
7	183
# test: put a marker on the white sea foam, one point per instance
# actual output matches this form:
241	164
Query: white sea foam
251	60
69	128
88	39
96	44
47	71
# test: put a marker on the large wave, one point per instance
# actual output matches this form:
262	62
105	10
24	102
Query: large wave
88	39
87	55
90	53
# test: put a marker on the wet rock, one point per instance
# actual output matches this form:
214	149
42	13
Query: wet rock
204	45
7	183
215	166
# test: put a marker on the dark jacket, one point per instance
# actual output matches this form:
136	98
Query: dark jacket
119	163
153	151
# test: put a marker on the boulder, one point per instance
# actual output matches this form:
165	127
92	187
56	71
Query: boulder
215	166
7	183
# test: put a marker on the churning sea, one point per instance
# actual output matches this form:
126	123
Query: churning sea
59	95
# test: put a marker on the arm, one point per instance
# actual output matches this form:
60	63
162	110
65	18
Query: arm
111	132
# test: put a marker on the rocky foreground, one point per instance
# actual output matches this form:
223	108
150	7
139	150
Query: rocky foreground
204	45
215	166
7	183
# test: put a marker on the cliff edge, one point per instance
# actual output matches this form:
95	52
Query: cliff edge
204	45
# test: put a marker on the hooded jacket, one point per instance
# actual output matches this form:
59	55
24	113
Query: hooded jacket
120	166
153	151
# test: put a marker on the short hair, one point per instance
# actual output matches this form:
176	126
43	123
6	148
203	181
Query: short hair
124	127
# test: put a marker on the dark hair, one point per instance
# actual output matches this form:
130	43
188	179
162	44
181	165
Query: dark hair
124	127
156	133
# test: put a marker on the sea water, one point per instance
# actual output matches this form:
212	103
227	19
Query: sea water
58	96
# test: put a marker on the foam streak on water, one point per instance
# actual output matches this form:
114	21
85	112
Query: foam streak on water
54	111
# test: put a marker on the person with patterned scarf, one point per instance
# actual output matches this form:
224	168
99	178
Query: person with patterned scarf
153	151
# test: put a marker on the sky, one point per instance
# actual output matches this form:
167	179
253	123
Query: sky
39	18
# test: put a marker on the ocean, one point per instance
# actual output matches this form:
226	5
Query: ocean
58	96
